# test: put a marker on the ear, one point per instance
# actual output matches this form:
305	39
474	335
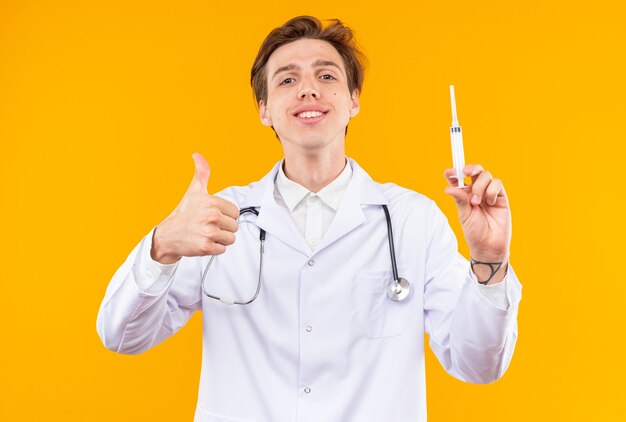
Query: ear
354	106
264	114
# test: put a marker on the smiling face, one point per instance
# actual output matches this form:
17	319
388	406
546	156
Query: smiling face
309	103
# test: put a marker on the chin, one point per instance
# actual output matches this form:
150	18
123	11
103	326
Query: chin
308	141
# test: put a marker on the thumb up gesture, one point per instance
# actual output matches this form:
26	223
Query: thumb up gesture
201	224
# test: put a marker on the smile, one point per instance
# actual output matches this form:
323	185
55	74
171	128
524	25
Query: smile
309	114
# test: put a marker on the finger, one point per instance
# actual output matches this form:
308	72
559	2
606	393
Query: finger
479	185
494	189
212	248
473	170
224	237
203	171
228	223
226	207
450	176
461	196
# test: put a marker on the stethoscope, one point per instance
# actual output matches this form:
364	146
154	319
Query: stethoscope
397	290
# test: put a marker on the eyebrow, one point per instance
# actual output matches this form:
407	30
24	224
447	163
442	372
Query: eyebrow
316	63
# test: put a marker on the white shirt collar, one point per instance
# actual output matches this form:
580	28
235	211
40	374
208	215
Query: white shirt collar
293	193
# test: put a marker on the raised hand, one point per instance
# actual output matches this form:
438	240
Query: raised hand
485	216
201	224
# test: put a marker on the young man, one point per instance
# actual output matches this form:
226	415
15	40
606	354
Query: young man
329	336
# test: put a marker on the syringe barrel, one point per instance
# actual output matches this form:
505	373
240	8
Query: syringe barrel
458	156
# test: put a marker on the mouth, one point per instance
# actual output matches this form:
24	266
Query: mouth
311	116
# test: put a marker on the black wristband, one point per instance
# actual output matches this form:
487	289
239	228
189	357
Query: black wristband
491	265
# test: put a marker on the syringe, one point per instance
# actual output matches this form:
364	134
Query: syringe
456	138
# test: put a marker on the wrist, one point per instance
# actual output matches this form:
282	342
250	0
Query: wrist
489	272
487	255
159	251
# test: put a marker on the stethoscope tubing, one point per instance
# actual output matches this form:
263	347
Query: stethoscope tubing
397	290
392	252
258	284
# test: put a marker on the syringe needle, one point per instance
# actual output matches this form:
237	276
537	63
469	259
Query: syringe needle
455	121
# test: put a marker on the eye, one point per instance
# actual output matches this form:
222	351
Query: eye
327	77
286	81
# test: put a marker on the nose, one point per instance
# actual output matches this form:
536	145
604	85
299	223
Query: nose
308	90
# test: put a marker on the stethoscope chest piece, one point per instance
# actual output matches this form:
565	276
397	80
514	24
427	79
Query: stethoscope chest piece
398	290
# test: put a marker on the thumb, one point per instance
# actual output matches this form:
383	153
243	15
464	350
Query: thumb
461	197
203	171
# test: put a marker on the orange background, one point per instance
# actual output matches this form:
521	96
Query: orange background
103	102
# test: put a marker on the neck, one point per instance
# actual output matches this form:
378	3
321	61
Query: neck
314	171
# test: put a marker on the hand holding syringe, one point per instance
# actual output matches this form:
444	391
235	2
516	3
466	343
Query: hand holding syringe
483	210
456	138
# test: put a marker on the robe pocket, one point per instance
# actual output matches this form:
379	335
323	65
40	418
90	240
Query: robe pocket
376	314
203	415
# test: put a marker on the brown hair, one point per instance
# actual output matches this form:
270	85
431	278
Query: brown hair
338	35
